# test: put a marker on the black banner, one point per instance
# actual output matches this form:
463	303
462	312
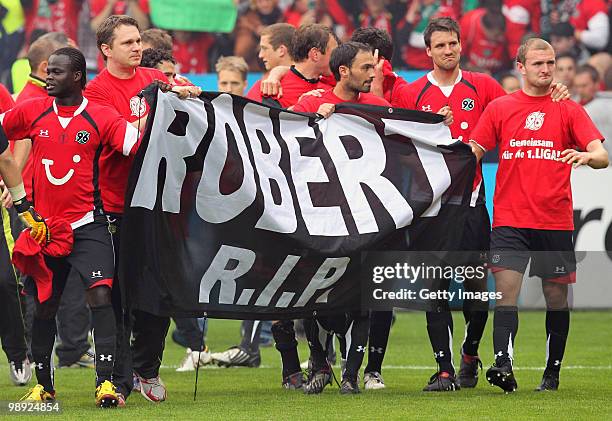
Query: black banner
238	210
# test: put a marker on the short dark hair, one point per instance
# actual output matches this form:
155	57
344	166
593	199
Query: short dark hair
566	55
494	20
590	70
106	31
158	38
280	34
151	57
377	39
443	24
77	61
310	36
562	29
345	55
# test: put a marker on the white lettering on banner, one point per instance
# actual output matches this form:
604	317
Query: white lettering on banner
427	137
173	149
276	217
330	271
365	170
319	220
212	205
217	272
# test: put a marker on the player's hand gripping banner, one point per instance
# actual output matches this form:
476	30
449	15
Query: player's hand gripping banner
238	210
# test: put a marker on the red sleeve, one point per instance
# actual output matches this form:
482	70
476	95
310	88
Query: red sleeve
582	128
403	97
486	131
144	5
376	100
493	89
16	121
118	133
255	92
308	104
6	100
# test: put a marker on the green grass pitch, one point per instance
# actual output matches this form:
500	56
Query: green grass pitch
249	394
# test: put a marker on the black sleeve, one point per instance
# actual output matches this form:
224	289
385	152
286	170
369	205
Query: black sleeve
4	144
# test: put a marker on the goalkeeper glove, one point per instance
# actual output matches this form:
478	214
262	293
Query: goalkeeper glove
38	228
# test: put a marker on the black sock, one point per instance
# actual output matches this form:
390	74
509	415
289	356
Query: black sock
316	336
104	332
43	338
476	314
284	336
440	330
356	343
380	326
505	327
252	333
557	328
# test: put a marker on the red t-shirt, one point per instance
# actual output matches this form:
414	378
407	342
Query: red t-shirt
57	16
311	103
29	91
255	92
120	94
533	189
468	98
192	55
119	8
65	147
521	16
295	85
477	48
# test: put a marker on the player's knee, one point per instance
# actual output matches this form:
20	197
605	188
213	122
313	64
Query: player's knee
99	296
48	309
284	334
555	295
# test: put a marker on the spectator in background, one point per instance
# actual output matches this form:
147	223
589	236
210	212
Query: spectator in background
522	17
586	84
161	60
596	103
232	75
11	33
565	71
101	9
563	41
509	82
590	18
157	39
249	26
330	13
191	49
601	62
376	15
52	16
484	45
411	28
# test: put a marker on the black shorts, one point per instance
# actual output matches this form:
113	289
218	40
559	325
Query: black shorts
551	252
476	237
92	257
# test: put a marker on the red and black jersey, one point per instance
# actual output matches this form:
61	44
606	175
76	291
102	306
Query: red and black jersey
255	92
392	84
122	95
66	147
311	103
294	86
480	51
6	100
467	98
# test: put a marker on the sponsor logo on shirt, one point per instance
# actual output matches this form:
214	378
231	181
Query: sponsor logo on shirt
82	137
534	120
43	133
467	104
47	163
138	106
426	108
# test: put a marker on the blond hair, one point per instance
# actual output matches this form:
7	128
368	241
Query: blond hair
234	64
531	44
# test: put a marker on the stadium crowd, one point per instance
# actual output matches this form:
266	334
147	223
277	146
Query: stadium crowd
315	54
